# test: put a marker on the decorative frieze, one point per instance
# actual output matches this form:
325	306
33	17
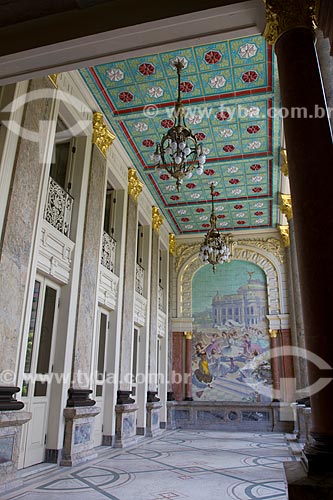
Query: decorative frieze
286	15
157	219
161	324
140	310
160	298
286	205
102	136
139	279
108	257
134	184
108	288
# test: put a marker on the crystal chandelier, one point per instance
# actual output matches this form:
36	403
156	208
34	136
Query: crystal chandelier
215	248
179	152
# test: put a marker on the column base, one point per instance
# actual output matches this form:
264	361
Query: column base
79	435
171	422
123	398
7	400
153	428
79	397
304	487
170	396
318	455
151	397
11	423
188	399
125	425
283	418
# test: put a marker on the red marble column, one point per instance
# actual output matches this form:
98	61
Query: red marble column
188	366
310	159
288	367
275	363
177	375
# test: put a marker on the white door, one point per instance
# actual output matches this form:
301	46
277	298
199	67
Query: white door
100	363
38	367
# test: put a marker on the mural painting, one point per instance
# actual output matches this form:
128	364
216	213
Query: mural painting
230	334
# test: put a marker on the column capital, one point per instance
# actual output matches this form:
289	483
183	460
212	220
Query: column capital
284	164
284	232
286	205
134	184
156	218
273	333
102	136
188	335
172	244
286	15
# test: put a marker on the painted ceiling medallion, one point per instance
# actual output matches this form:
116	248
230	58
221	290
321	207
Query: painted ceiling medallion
256	166
232	170
247	51
254	145
146	69
148	143
222	115
238	207
213	57
260	221
164	177
126	96
170	187
115	74
179	59
240	215
236	191
200	210
200	136
241	222
250	76
194	119
167	123
141	126
155	92
257	178
228	148
258	213
217	82
253	129
257	189
209	171
186	87
226	132
251	111
234	181
259	204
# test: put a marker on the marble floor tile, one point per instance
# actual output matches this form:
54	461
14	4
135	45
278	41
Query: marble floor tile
194	465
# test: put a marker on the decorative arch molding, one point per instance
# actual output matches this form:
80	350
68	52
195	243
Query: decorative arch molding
267	254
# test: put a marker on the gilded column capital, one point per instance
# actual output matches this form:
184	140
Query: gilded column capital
172	244
134	184
188	335
273	333
157	219
284	232
285	15
286	205
53	78
102	136
284	164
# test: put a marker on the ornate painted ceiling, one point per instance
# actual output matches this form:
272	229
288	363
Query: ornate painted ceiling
230	92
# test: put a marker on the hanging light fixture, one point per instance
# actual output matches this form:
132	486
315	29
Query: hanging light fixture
215	248
179	152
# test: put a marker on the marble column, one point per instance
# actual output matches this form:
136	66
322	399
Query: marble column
275	362
172	253
157	220
127	327
177	365
89	274
79	414
309	171
18	236
188	366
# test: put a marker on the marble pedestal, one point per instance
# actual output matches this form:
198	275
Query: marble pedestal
10	439
125	425
153	419
78	442
171	423
304	487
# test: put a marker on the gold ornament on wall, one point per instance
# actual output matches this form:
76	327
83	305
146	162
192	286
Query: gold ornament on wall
134	184
284	164
53	79
273	333
286	205
172	244
285	15
284	232
102	136
188	335
157	219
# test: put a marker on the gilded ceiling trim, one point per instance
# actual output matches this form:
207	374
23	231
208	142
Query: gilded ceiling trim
286	205
284	232
284	164
157	219
172	244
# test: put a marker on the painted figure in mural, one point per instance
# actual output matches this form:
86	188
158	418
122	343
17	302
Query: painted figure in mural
203	373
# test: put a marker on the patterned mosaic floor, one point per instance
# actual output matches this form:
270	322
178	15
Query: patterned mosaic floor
181	464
